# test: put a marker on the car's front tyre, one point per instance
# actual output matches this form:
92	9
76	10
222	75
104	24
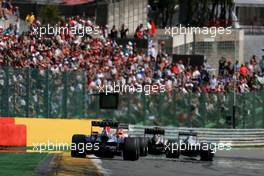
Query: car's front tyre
77	141
206	153
173	149
131	149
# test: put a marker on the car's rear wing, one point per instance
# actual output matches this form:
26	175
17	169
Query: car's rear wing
123	126
155	130
191	133
111	124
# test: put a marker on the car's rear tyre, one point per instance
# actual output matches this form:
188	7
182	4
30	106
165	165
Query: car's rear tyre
131	149
143	146
173	149
78	139
206	152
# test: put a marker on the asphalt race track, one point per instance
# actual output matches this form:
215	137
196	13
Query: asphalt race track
238	162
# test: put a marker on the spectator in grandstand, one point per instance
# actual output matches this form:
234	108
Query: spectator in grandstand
236	66
105	31
244	70
243	86
2	11
152	52
261	64
30	18
9	31
206	65
196	75
174	69
139	32
114	32
181	66
3	4
16	12
253	66
123	31
9	5
213	83
7	8
17	27
222	65
229	68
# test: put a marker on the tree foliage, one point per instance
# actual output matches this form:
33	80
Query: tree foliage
49	14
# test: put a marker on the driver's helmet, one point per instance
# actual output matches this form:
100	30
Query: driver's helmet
120	132
155	138
191	139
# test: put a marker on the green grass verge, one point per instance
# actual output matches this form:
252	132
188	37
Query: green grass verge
22	164
34	149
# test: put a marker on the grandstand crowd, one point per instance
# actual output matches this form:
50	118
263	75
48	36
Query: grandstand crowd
106	62
7	9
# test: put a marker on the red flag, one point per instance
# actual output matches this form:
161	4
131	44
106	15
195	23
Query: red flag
153	28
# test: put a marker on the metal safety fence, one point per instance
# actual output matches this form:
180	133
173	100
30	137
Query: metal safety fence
234	137
35	93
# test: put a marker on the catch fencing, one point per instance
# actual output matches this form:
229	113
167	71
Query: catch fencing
234	137
34	93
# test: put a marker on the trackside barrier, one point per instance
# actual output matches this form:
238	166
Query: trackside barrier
53	131
236	137
7	120
13	135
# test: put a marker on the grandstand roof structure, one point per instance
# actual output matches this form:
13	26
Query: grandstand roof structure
58	2
251	3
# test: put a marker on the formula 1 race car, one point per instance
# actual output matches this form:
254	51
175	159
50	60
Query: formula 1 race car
109	144
187	144
156	144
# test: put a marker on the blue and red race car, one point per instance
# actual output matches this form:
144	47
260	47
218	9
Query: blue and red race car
113	141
